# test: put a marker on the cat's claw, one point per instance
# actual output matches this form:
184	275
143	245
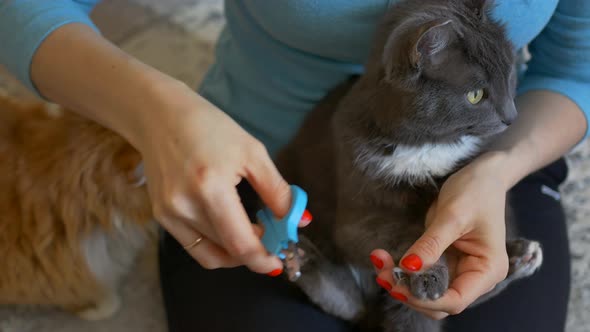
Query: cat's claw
400	277
293	261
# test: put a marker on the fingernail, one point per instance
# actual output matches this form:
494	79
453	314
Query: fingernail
412	262
377	262
384	283
275	273
306	217
399	296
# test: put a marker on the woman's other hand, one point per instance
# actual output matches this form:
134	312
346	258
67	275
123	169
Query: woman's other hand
469	217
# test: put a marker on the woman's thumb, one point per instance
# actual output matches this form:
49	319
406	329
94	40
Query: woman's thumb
431	245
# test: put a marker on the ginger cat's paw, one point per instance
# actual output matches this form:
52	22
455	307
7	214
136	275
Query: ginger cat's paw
103	309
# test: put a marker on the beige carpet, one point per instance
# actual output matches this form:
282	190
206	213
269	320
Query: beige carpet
177	37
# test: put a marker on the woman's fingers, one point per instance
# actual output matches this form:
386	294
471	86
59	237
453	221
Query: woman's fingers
306	219
206	252
384	265
221	205
183	208
403	295
210	254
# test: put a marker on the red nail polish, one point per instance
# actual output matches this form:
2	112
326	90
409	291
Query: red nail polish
275	273
306	217
399	296
384	283
377	262
412	262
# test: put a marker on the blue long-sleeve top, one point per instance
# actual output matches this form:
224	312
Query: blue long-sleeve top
276	59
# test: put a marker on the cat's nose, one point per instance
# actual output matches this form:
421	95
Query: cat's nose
509	113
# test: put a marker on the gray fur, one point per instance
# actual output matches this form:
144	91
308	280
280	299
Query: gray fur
427	55
432	283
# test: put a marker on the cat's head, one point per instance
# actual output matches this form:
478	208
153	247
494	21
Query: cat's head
445	70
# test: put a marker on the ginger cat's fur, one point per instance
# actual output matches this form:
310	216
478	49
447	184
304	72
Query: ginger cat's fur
72	217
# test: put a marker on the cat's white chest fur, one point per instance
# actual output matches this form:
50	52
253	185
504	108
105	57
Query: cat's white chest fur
421	164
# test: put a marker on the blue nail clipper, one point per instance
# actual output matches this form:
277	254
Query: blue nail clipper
280	235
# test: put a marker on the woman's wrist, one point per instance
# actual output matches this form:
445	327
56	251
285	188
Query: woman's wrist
547	127
497	164
154	99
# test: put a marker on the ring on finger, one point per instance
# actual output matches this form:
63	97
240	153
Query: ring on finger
195	243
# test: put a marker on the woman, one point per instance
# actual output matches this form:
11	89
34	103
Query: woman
275	60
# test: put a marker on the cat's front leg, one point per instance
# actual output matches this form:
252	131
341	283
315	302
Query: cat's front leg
332	286
429	284
401	318
359	232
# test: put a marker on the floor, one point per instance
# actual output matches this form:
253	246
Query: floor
177	37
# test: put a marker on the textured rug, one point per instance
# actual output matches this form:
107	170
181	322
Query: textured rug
177	37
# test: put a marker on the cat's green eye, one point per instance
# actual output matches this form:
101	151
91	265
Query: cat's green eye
475	96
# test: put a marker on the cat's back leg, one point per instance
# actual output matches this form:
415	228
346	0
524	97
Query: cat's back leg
525	258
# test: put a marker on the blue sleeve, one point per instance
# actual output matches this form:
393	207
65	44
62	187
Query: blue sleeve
561	55
24	24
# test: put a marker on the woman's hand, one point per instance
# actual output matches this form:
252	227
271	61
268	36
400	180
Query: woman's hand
194	156
468	216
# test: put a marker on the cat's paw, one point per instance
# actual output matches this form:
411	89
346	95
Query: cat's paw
103	309
430	284
525	257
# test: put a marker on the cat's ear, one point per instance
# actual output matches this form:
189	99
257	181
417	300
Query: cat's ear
434	40
409	48
479	7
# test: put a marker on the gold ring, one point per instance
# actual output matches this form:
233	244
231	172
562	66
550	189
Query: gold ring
194	244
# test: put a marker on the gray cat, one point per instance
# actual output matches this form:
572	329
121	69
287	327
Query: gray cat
439	85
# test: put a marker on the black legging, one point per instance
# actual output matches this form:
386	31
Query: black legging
239	300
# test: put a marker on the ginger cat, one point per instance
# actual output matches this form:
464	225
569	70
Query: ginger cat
73	215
